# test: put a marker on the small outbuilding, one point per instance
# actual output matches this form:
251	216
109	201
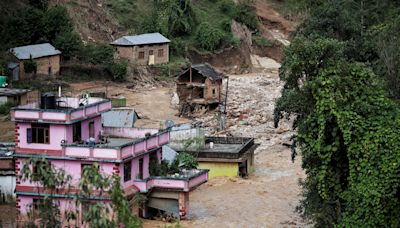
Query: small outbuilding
200	84
223	156
17	96
144	49
46	57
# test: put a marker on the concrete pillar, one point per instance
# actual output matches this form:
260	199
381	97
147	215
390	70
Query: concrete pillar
183	204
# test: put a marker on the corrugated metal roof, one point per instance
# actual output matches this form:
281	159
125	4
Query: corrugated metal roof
207	70
36	51
148	38
9	92
119	118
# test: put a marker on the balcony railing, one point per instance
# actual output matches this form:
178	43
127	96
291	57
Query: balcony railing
115	151
179	182
61	114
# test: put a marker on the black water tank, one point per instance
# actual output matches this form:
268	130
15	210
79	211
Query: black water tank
48	101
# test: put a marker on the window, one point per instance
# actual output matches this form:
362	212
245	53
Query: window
127	171
76	132
141	55
213	92
151	52
39	133
140	174
91	129
160	52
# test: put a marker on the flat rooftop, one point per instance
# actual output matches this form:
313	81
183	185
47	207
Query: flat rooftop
222	147
65	104
111	143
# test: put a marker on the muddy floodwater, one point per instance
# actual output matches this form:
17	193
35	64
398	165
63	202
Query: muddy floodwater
269	196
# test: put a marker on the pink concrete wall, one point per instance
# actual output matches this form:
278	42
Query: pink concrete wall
57	133
128	132
135	170
72	168
85	127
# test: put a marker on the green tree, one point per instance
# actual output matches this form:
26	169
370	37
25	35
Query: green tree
348	152
54	21
208	37
69	43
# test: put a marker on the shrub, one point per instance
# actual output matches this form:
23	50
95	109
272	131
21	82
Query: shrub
30	66
262	41
118	70
187	160
69	43
245	14
178	47
227	6
5	108
226	25
208	37
98	53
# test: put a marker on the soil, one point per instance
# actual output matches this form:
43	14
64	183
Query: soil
269	196
153	104
6	129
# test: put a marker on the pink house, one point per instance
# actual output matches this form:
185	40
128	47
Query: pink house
58	128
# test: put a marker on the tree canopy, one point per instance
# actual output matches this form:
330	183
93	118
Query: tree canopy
341	82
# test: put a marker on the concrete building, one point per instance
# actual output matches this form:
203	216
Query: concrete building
144	49
7	173
200	85
46	57
58	129
224	156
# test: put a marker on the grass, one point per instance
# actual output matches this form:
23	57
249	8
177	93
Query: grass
130	13
262	41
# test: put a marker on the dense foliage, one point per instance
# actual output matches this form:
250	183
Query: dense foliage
199	25
341	78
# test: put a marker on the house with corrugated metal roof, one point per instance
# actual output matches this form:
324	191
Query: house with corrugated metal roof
46	57
143	49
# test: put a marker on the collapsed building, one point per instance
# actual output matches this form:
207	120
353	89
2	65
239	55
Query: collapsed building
200	86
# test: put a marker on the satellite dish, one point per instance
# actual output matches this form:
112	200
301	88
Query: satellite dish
169	123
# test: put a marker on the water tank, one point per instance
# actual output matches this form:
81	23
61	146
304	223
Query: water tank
48	101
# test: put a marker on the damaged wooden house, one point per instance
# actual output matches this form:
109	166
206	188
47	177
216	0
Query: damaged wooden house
200	87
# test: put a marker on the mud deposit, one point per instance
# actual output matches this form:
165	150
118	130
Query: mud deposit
269	196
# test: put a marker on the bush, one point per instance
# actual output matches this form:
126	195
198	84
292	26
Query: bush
208	37
245	14
69	43
30	66
98	53
227	6
5	108
178	47
226	25
187	160
118	70
262	41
